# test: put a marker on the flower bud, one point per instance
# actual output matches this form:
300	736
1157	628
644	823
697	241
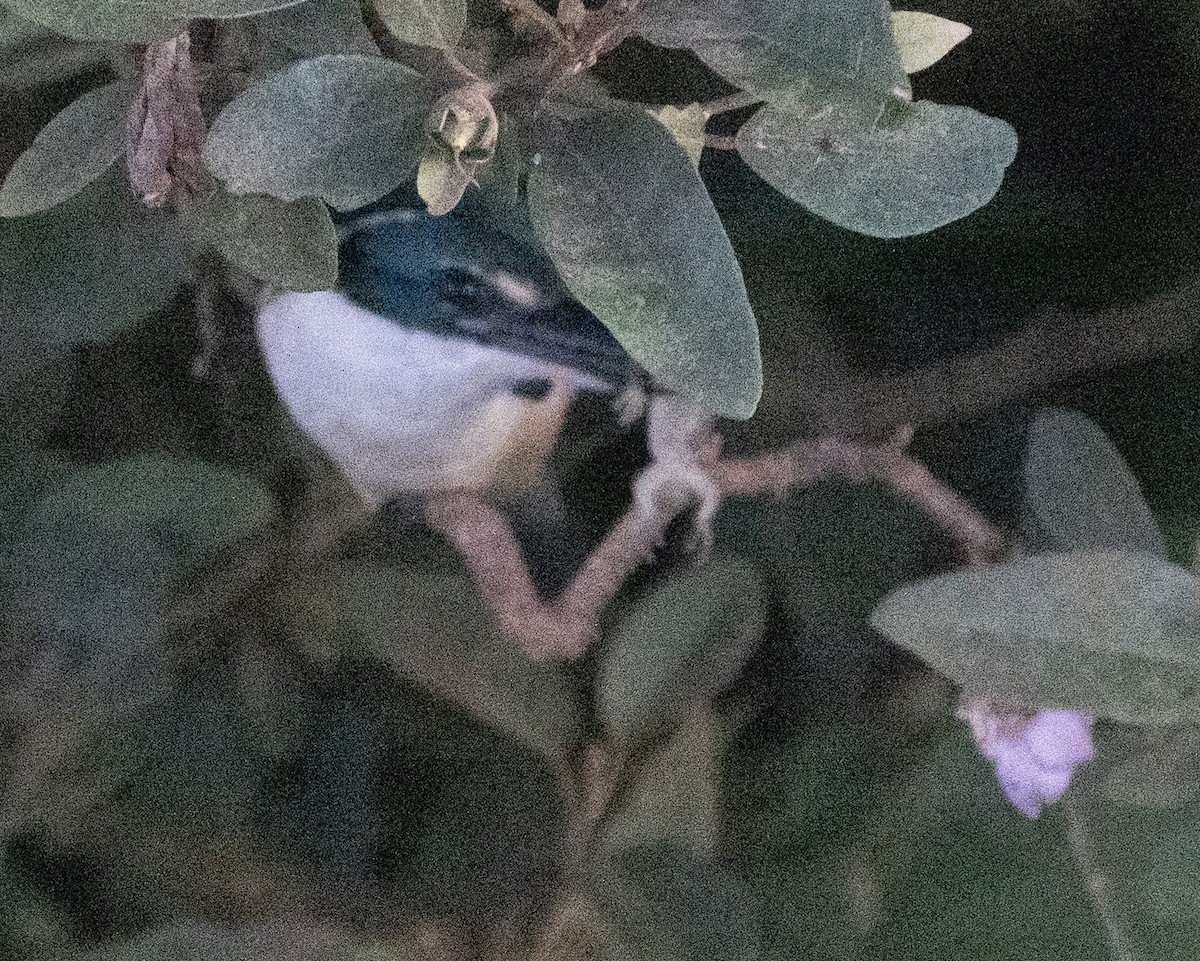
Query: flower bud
462	130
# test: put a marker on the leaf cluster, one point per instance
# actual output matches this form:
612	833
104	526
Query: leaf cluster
332	103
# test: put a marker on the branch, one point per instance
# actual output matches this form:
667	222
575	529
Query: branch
529	16
809	462
567	627
578	37
1060	345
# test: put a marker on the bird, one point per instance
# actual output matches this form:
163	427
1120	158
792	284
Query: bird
446	357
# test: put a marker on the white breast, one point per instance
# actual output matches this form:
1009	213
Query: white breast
397	409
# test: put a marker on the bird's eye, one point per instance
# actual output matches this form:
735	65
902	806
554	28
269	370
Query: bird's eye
460	287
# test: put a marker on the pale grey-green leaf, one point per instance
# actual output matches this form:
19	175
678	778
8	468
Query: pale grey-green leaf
17	31
292	246
344	128
624	216
886	168
132	267
678	647
315	27
430	23
96	557
769	46
72	150
1078	491
1155	767
133	21
923	38
1112	633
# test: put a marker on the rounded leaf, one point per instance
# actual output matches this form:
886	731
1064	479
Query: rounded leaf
192	507
292	246
430	23
885	169
686	125
341	127
679	646
1115	634
315	27
441	180
665	904
766	46
72	150
132	267
134	21
624	216
1079	493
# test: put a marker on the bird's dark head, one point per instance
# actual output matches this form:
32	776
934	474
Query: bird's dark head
461	276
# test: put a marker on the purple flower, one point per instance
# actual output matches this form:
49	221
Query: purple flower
1034	757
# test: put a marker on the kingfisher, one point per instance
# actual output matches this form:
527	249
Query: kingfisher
445	359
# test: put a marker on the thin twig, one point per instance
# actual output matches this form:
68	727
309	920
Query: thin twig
808	462
568	626
1095	880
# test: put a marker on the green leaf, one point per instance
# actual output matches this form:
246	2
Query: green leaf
315	27
1078	492
430	23
292	246
664	904
679	647
943	826
17	31
133	267
94	599
923	39
279	941
885	169
30	406
1112	633
97	556
768	46
191	507
133	21
625	218
1156	767
432	629
686	125
345	128
72	150
1147	861
676	795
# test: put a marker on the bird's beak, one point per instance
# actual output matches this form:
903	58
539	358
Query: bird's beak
565	333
